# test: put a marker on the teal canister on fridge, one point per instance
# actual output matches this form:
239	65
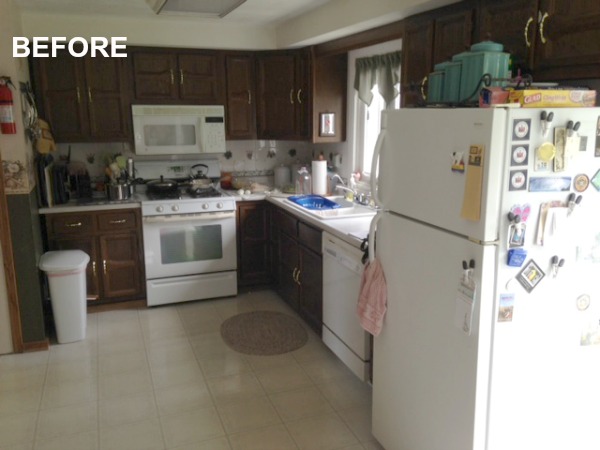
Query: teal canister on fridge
484	58
451	90
435	86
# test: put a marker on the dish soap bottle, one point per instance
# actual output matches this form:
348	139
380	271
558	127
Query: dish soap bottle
303	182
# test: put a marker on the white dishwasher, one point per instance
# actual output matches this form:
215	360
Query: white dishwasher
342	333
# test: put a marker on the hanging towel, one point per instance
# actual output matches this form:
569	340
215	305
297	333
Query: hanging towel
372	302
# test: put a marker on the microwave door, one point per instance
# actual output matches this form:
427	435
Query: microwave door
164	135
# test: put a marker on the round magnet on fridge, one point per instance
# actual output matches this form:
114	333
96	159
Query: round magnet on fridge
581	182
546	152
583	302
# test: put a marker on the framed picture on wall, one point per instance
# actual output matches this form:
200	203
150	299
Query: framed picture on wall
327	124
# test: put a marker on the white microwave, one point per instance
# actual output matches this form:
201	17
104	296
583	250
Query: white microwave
178	129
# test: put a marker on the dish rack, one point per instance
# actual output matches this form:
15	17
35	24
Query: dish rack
314	202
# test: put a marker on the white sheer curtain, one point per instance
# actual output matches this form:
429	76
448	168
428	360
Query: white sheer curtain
380	70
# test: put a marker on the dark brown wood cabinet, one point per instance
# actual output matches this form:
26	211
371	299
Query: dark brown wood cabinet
165	76
329	92
84	99
113	240
241	96
284	96
298	272
551	39
253	231
429	39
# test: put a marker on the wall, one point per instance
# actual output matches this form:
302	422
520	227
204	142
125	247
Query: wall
19	181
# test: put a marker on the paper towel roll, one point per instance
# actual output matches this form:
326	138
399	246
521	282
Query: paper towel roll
319	177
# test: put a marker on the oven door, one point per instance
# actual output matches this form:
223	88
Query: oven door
189	244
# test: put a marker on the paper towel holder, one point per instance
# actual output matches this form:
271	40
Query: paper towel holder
327	124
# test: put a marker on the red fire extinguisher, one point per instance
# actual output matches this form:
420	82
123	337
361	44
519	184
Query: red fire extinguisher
7	119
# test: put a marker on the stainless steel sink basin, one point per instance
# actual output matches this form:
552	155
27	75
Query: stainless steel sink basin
346	210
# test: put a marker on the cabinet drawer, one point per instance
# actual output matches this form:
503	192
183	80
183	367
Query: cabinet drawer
310	237
70	224
286	223
117	220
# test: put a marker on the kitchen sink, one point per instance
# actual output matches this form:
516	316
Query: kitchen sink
324	210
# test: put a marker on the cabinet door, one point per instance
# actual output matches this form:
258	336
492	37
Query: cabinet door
303	97
61	89
87	245
241	98
120	259
311	288
417	60
512	23
288	270
107	98
253	239
452	35
569	40
154	75
201	78
276	96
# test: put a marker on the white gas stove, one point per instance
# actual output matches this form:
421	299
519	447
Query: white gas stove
189	231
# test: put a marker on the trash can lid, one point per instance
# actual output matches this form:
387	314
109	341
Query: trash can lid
63	260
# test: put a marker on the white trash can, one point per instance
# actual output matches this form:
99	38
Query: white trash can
66	275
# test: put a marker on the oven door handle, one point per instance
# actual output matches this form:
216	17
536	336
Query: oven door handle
188	217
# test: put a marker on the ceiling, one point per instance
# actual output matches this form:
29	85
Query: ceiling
252	12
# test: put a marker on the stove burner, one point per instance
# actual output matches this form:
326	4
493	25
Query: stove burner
203	192
167	195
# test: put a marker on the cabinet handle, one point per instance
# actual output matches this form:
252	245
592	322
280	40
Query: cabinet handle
529	22
249	97
90	94
73	225
172	76
78	96
542	20
294	274
423	82
104	266
292	96
298	96
94	268
298	278
117	222
180	76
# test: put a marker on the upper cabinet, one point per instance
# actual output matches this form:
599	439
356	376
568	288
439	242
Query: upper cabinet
283	95
240	107
83	99
165	76
429	39
330	90
552	39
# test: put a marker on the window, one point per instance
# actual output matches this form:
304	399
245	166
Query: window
366	119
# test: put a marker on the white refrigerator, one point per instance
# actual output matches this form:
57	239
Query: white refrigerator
504	355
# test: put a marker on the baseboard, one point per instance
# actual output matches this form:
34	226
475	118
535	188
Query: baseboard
36	346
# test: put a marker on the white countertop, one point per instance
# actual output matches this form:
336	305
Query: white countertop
100	205
345	229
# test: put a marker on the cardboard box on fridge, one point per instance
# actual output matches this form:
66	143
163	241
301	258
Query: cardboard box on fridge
542	98
492	96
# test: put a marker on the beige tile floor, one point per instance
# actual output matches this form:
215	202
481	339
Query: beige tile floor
163	379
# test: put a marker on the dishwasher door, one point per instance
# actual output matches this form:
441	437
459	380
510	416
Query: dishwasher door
342	333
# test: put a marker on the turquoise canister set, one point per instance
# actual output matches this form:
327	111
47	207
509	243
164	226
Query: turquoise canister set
456	81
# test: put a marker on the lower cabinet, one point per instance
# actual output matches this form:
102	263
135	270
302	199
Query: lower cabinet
113	240
253	243
298	266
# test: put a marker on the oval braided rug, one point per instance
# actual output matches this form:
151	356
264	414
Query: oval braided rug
263	333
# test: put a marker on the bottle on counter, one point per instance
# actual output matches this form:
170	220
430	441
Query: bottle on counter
303	182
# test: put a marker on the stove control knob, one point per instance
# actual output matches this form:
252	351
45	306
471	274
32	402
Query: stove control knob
175	208
160	208
220	205
204	205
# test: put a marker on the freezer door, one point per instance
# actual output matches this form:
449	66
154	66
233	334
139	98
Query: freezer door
430	379
415	168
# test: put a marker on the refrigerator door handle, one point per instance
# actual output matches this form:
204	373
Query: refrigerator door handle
374	163
372	230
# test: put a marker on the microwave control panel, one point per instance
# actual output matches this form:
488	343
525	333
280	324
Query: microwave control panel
213	134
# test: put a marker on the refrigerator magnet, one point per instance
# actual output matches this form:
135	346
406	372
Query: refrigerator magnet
519	155
530	276
549	184
521	129
518	180
596	180
581	182
507	304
